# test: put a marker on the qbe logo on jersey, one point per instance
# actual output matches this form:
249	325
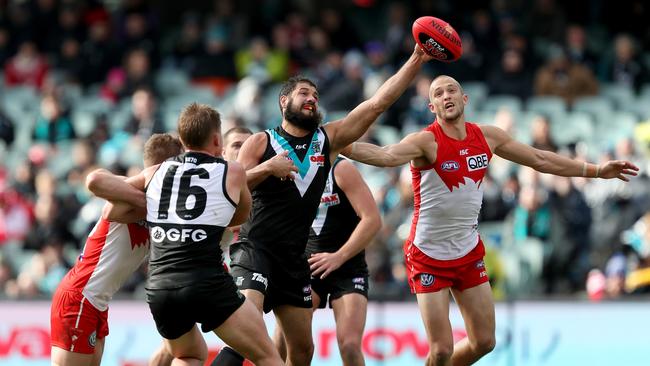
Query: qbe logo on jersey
477	162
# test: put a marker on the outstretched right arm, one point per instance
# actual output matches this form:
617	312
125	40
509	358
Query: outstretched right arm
414	146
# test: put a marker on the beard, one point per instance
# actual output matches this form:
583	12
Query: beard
299	119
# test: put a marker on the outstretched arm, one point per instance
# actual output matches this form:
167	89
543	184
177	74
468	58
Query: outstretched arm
358	193
413	146
356	123
549	162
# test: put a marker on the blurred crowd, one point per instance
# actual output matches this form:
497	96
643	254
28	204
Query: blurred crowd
85	83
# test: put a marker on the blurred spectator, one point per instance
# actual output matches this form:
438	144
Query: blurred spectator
16	215
188	44
418	113
625	67
138	30
27	67
541	134
42	273
52	214
5	44
562	78
348	93
7	130
511	76
53	125
69	61
485	35
145	119
471	66
341	33
113	88
577	49
615	273
547	22
99	51
262	63
532	216
567	261
83	161
137	67
217	59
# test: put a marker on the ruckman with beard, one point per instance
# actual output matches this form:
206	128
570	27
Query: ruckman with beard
269	263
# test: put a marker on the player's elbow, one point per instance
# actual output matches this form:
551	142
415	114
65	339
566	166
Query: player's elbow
374	222
93	179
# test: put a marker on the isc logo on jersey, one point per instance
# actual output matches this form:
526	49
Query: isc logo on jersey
159	234
476	162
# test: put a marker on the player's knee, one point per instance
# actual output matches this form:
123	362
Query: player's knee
441	353
350	350
302	354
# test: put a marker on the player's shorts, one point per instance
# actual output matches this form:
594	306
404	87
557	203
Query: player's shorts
76	325
280	282
335	285
209	302
426	274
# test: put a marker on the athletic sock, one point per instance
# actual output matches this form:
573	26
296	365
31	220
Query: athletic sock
228	357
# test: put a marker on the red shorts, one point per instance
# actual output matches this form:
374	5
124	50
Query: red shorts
426	274
75	324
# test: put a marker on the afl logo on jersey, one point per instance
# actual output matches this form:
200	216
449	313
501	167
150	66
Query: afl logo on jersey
449	166
476	162
426	279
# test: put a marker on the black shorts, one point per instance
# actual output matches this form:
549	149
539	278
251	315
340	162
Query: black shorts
336	285
209	302
283	282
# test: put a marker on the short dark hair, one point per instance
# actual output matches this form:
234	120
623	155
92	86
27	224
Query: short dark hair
236	129
196	123
160	147
290	85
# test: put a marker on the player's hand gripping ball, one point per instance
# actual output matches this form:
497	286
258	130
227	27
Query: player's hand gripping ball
437	38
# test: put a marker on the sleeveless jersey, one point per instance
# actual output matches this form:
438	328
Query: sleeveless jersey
283	211
334	223
112	252
188	209
448	195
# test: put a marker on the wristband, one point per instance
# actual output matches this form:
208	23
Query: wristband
584	169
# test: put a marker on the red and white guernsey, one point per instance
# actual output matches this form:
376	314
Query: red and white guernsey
448	195
112	253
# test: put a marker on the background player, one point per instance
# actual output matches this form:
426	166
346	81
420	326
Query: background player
347	221
269	262
449	159
112	253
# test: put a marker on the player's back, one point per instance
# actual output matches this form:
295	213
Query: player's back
188	208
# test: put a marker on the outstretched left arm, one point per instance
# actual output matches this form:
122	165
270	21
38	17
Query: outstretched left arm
549	162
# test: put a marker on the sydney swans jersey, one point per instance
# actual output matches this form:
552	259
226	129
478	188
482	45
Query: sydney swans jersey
448	195
188	209
112	253
334	223
283	211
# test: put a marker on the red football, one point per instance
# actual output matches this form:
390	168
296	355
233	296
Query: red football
437	38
